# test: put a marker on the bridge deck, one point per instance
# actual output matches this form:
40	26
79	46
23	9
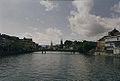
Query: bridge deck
73	51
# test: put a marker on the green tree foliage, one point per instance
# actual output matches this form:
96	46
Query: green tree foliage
82	47
14	45
87	46
68	43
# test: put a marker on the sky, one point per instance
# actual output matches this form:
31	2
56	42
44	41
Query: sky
52	20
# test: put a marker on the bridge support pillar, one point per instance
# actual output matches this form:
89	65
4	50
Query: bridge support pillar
73	52
43	52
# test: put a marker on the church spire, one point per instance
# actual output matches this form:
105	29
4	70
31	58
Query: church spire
51	44
61	42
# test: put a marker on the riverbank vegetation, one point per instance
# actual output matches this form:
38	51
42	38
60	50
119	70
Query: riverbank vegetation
85	47
14	45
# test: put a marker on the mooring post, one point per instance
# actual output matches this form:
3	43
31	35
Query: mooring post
42	51
45	51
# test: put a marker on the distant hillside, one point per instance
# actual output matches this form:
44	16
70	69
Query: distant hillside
14	45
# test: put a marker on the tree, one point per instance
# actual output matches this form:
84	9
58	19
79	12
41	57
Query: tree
68	43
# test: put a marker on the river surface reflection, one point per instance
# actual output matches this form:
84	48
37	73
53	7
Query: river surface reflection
59	67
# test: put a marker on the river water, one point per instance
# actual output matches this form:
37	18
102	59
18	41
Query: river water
57	66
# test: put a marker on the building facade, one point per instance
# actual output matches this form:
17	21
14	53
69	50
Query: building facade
109	44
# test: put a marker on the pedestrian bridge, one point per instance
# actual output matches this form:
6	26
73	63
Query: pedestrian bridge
45	51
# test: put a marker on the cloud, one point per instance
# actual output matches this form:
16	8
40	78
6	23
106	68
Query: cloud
84	23
116	7
73	34
50	34
33	28
0	28
49	5
27	35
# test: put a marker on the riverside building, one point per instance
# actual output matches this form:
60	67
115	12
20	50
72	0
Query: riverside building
109	44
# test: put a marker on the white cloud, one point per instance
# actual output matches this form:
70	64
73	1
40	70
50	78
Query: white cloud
116	7
33	28
73	34
49	5
50	34
0	28
27	35
84	23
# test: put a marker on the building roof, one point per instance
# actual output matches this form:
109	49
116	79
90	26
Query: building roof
114	32
103	38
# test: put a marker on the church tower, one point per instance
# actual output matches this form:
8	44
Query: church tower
61	42
51	44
